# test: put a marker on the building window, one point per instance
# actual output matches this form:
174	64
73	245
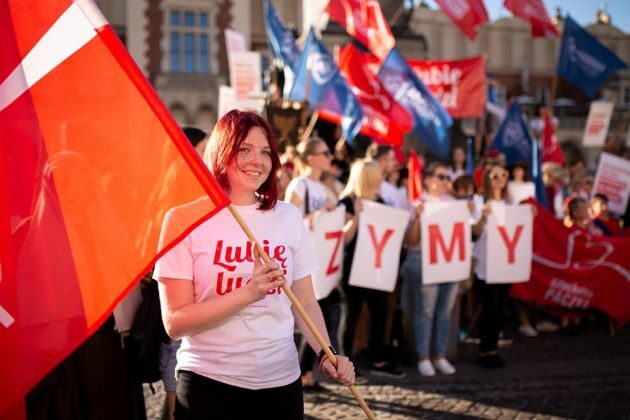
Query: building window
175	51
174	18
626	95
190	47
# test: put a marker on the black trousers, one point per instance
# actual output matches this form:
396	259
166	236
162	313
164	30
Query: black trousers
377	305
200	398
493	298
331	310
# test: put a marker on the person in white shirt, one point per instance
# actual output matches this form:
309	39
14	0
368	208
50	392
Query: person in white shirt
458	163
519	186
432	303
238	358
384	155
310	195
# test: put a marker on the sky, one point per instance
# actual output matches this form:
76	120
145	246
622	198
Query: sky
582	11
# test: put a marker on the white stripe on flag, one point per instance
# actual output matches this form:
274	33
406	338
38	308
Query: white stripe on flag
66	36
5	318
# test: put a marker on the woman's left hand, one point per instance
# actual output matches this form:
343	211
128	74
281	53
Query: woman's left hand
344	372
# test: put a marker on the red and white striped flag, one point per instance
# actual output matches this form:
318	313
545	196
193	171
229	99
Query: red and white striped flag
91	161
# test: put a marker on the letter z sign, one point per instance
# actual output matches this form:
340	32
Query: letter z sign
327	240
445	240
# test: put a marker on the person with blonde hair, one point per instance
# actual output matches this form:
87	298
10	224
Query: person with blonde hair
364	184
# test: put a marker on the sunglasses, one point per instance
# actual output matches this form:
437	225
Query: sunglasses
442	177
502	175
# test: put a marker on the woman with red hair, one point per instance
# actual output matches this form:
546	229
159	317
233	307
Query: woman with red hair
238	358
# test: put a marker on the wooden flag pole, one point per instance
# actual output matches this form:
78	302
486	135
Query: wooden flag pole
300	309
310	127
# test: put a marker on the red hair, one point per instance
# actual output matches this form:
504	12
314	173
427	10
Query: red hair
225	140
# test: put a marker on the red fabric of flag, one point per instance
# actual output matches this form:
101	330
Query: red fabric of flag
91	162
364	20
551	151
384	118
468	15
414	167
535	13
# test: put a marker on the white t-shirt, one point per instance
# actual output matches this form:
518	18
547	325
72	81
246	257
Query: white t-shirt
480	249
317	195
391	196
253	348
521	191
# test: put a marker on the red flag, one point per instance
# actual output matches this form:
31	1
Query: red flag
384	118
364	20
414	167
575	270
468	15
535	13
459	85
91	162
551	151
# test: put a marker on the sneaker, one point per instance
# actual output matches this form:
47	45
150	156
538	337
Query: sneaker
387	370
425	368
547	326
444	367
359	379
528	331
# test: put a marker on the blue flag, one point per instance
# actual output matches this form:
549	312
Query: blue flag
470	156
318	81
431	121
513	138
583	60
280	38
541	194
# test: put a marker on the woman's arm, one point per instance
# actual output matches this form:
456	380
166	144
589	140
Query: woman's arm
183	316
412	235
303	291
352	222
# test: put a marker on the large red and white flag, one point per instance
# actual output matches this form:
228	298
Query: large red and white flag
551	151
383	117
364	20
535	13
91	161
468	15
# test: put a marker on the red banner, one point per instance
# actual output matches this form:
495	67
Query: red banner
535	13
364	20
80	214
468	15
460	85
574	270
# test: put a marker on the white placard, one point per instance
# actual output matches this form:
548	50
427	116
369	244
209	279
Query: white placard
379	240
509	253
245	74
234	41
446	237
228	102
327	240
613	180
597	123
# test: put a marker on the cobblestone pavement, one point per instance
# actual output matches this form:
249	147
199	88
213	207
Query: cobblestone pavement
552	376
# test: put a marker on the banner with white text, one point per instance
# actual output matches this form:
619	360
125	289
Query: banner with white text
446	242
379	240
574	270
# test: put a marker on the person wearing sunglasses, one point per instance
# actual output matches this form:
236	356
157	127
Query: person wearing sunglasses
492	297
432	303
310	195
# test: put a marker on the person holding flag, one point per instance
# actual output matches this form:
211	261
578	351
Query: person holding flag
238	358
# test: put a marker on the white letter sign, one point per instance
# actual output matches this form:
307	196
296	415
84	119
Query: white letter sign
509	253
379	239
245	74
597	123
446	248
327	240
